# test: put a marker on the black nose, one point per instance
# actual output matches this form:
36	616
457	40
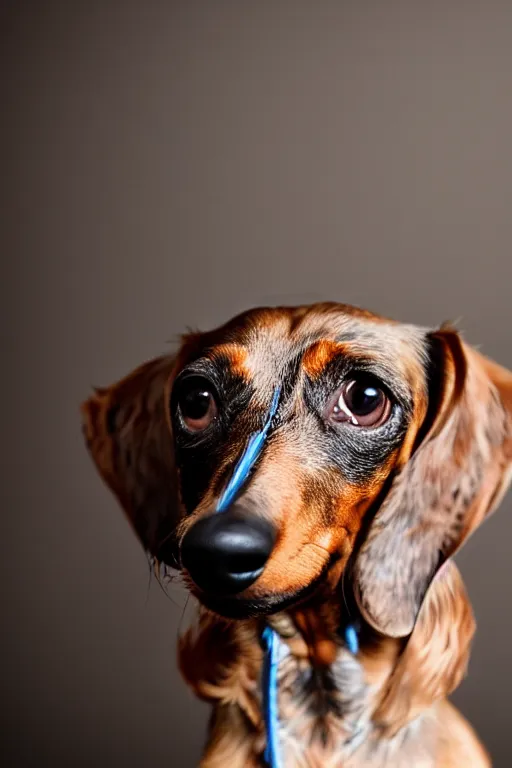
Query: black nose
226	552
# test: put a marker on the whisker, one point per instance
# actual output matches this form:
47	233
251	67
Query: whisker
151	565
345	601
160	579
178	631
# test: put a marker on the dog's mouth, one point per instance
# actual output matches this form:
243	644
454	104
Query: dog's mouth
258	601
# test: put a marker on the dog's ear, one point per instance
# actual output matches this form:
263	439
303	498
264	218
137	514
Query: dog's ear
128	435
434	661
457	474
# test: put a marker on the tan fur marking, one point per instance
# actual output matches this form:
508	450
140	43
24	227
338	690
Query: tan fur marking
319	355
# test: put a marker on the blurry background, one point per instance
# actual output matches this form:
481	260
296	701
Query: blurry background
169	164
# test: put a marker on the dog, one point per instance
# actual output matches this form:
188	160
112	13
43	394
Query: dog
311	471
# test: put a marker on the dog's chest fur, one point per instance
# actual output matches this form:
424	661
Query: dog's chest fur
325	718
326	712
323	711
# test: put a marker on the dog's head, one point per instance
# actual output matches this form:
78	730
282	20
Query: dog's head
270	455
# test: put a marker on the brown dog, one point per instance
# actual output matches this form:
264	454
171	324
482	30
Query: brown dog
385	447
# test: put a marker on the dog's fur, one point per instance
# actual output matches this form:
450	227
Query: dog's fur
367	519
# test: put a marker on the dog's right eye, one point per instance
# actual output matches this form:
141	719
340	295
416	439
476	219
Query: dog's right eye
196	403
362	402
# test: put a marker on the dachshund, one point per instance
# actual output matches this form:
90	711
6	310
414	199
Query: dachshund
313	470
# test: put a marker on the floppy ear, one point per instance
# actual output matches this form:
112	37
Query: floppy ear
457	474
434	661
129	439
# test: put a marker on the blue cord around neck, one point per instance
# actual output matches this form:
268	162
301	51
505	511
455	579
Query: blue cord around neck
270	640
351	639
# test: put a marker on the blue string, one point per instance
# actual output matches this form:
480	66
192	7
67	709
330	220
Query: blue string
248	458
269	688
269	685
270	638
351	639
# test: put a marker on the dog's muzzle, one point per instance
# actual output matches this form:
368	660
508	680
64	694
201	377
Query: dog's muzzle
225	553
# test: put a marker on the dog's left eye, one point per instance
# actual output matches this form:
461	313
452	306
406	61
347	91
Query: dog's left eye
197	404
362	402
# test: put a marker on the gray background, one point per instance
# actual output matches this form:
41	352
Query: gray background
171	163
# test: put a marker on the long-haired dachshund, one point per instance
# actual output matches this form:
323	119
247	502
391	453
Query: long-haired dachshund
311	471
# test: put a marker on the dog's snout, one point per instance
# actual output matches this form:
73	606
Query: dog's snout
226	552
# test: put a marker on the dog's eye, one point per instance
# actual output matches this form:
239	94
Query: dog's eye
362	402
196	403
